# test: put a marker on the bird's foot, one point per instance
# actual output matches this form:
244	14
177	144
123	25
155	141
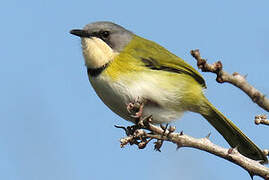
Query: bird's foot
136	110
139	113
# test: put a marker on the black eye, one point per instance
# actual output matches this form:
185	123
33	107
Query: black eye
104	34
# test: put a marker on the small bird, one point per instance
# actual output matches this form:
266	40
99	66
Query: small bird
124	68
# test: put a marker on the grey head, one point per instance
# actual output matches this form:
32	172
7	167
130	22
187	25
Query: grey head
112	34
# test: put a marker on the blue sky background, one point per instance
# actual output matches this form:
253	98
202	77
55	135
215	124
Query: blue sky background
54	127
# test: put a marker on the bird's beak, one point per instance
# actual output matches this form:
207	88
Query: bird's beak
80	33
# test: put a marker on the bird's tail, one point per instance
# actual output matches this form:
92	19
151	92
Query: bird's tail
233	135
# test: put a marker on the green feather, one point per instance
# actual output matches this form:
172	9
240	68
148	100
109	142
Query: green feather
160	58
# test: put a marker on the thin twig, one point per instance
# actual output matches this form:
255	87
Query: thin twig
204	144
235	79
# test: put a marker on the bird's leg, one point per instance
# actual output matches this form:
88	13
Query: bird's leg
136	110
130	107
134	107
139	113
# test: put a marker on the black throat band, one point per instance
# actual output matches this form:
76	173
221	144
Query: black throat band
94	72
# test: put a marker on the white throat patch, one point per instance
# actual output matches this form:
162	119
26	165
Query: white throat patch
96	52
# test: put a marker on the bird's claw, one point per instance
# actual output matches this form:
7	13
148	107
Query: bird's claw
139	113
136	110
130	107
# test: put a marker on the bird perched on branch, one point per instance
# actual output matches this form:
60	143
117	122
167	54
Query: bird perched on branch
124	68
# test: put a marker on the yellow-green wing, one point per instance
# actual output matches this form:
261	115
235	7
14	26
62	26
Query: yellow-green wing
156	57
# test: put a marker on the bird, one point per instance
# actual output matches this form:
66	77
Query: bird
124	68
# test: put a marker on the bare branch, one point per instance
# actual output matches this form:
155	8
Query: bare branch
235	79
204	144
261	119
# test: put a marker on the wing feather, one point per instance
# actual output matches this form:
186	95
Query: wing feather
157	57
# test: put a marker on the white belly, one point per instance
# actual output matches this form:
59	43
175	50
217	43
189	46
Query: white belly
117	95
